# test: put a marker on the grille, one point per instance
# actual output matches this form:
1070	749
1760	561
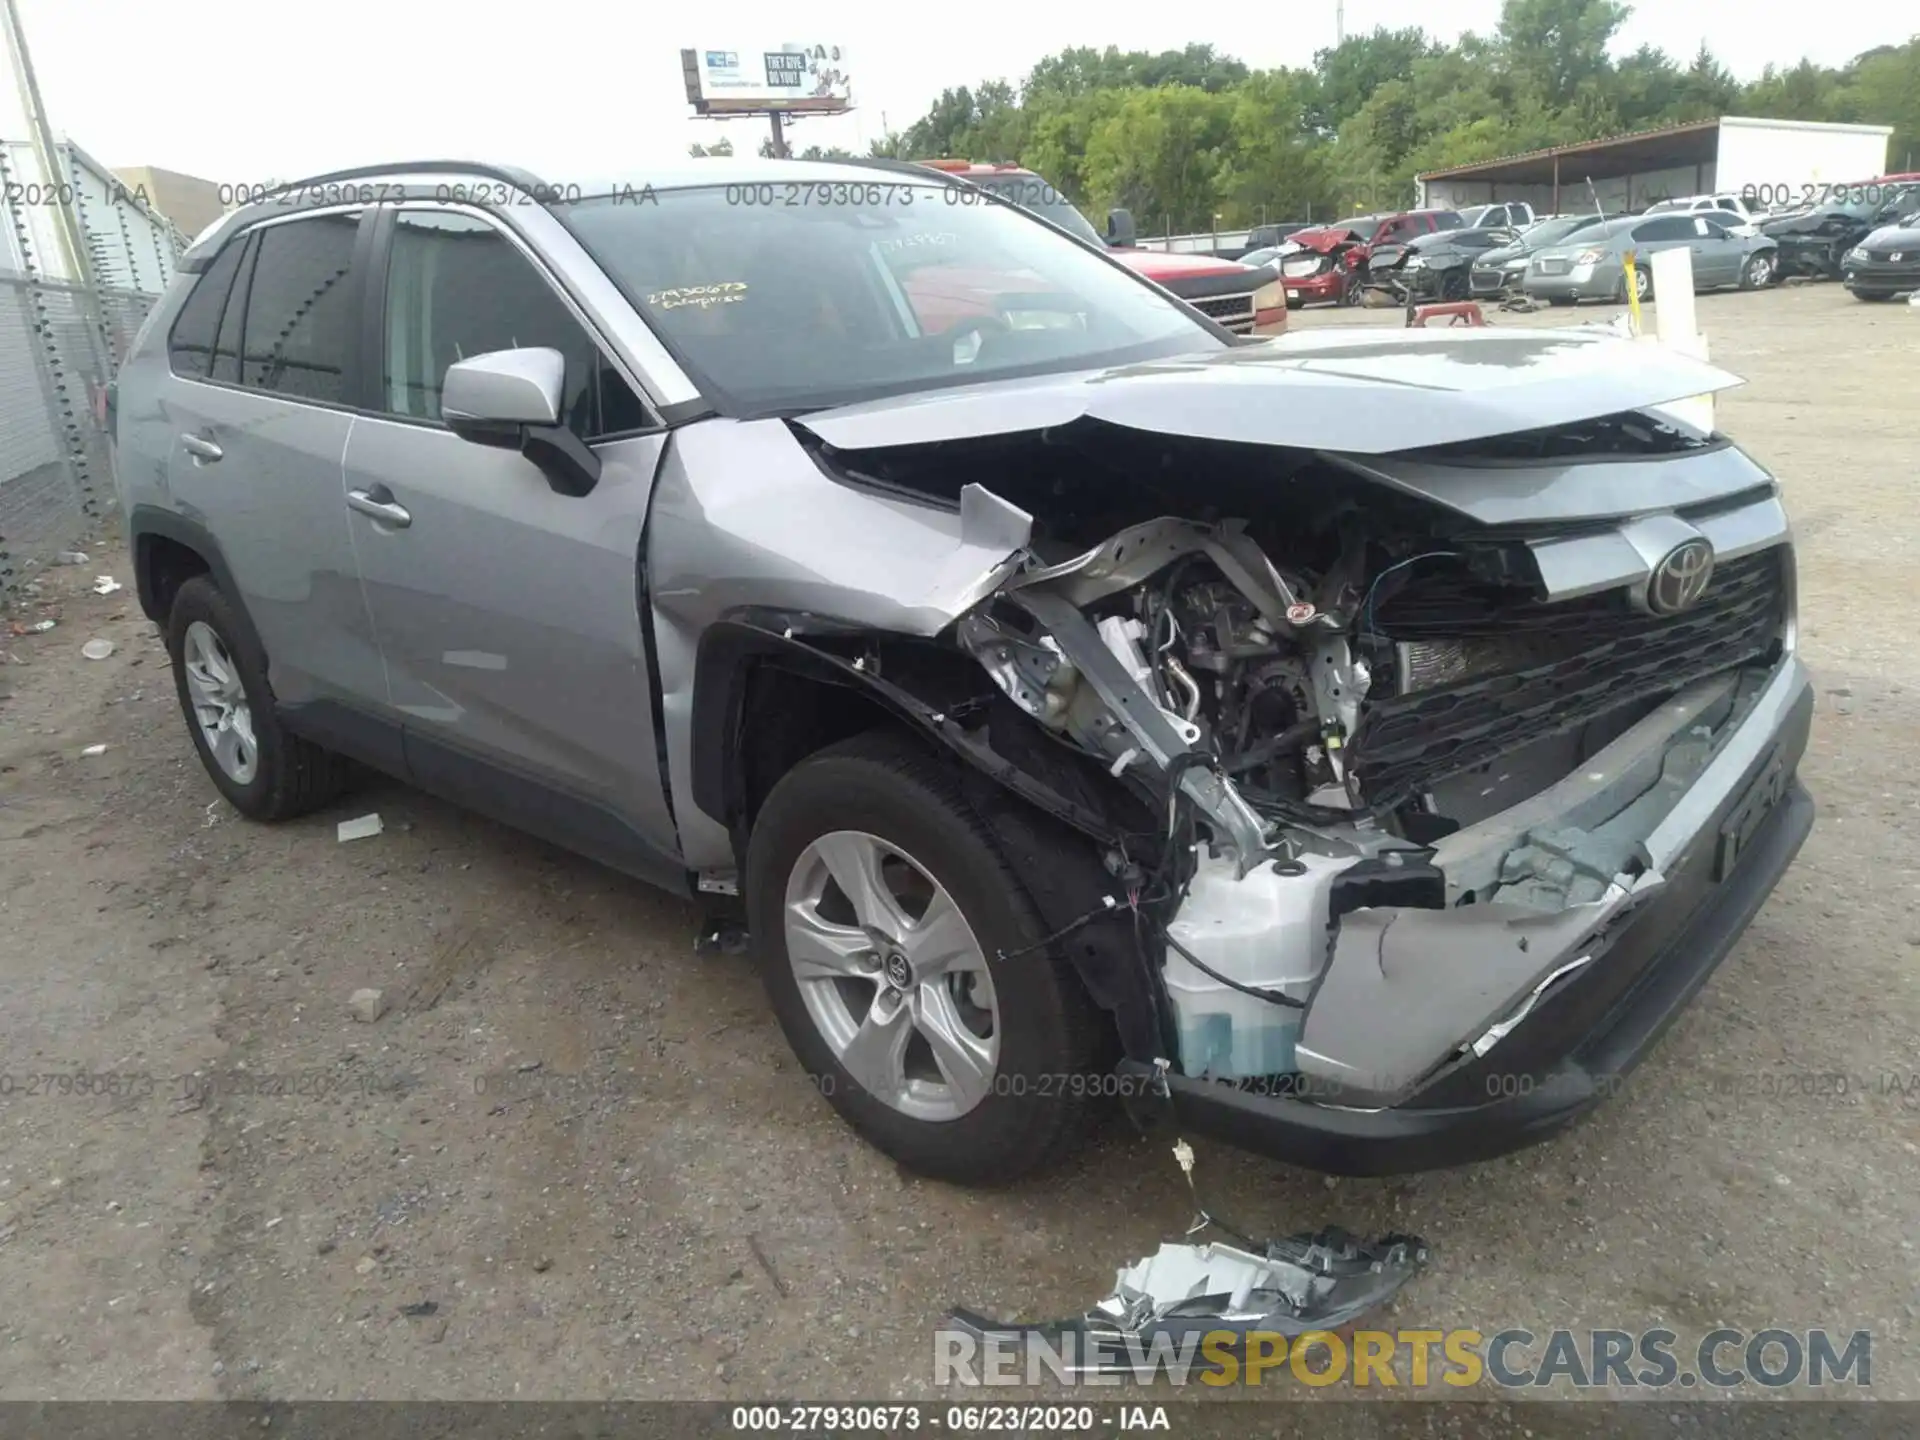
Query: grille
1483	676
1486	282
1225	307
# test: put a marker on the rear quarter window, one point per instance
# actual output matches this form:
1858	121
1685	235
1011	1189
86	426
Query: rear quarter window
190	342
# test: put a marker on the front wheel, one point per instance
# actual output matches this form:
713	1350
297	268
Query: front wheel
902	957
1873	294
1757	273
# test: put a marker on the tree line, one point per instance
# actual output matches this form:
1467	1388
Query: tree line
1184	136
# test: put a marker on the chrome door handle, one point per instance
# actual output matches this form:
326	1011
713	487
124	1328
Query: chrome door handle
203	450
384	510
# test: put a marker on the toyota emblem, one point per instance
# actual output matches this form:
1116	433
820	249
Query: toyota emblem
1680	579
1895	256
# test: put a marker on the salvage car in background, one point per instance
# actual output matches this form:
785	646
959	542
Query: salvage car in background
1333	259
1432	267
1373	737
1237	296
1591	265
1503	267
1886	262
1815	241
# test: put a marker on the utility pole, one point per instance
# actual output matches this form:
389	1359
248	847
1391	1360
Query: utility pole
779	137
72	243
1339	22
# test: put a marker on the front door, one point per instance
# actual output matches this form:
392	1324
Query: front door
509	615
1716	255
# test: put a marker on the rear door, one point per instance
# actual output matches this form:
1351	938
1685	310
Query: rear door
510	616
260	407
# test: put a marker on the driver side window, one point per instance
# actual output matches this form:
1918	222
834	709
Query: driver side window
458	287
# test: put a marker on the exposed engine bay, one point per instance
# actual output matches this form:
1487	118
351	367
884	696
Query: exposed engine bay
1350	705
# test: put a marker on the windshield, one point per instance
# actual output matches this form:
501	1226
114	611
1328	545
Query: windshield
876	288
1030	192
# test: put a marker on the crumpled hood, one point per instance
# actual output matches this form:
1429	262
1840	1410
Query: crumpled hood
1325	241
1362	392
1802	223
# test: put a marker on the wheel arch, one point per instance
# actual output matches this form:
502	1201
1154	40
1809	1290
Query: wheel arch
170	549
766	697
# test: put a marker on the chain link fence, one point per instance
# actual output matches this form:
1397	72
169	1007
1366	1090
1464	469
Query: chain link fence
62	337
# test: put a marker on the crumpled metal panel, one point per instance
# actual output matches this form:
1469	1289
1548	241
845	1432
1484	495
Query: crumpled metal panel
1360	392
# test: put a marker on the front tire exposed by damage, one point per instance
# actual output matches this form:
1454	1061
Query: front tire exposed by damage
953	1060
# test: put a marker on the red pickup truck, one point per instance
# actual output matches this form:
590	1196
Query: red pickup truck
1243	298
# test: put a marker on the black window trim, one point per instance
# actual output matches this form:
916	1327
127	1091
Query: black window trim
374	332
356	303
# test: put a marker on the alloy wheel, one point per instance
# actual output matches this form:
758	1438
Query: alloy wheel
1759	270
220	703
892	975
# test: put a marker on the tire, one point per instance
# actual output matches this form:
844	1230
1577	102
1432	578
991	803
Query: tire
1757	271
1295	303
286	776
1873	294
881	788
1642	284
1454	285
1561	300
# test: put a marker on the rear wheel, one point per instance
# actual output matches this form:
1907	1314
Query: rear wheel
881	909
266	772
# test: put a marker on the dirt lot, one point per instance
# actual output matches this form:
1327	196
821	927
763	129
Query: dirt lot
596	1226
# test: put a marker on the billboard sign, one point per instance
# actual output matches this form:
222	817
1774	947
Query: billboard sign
789	77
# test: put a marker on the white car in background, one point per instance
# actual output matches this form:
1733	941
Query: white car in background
1719	205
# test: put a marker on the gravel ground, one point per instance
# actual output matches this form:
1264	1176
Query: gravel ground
580	1155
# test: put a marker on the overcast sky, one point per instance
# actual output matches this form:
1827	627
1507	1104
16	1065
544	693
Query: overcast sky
248	90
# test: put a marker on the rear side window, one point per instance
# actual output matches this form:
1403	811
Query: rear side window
1449	220
190	344
300	315
1667	227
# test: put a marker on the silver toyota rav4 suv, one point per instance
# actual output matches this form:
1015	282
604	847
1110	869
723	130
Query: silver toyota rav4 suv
1358	745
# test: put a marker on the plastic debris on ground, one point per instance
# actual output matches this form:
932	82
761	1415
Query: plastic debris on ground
94	750
1166	1303
71	557
106	585
38	627
364	828
97	649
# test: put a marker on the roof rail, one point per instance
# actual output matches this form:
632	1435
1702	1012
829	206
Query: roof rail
512	175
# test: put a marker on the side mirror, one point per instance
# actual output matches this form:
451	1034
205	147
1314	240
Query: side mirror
1120	233
510	399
